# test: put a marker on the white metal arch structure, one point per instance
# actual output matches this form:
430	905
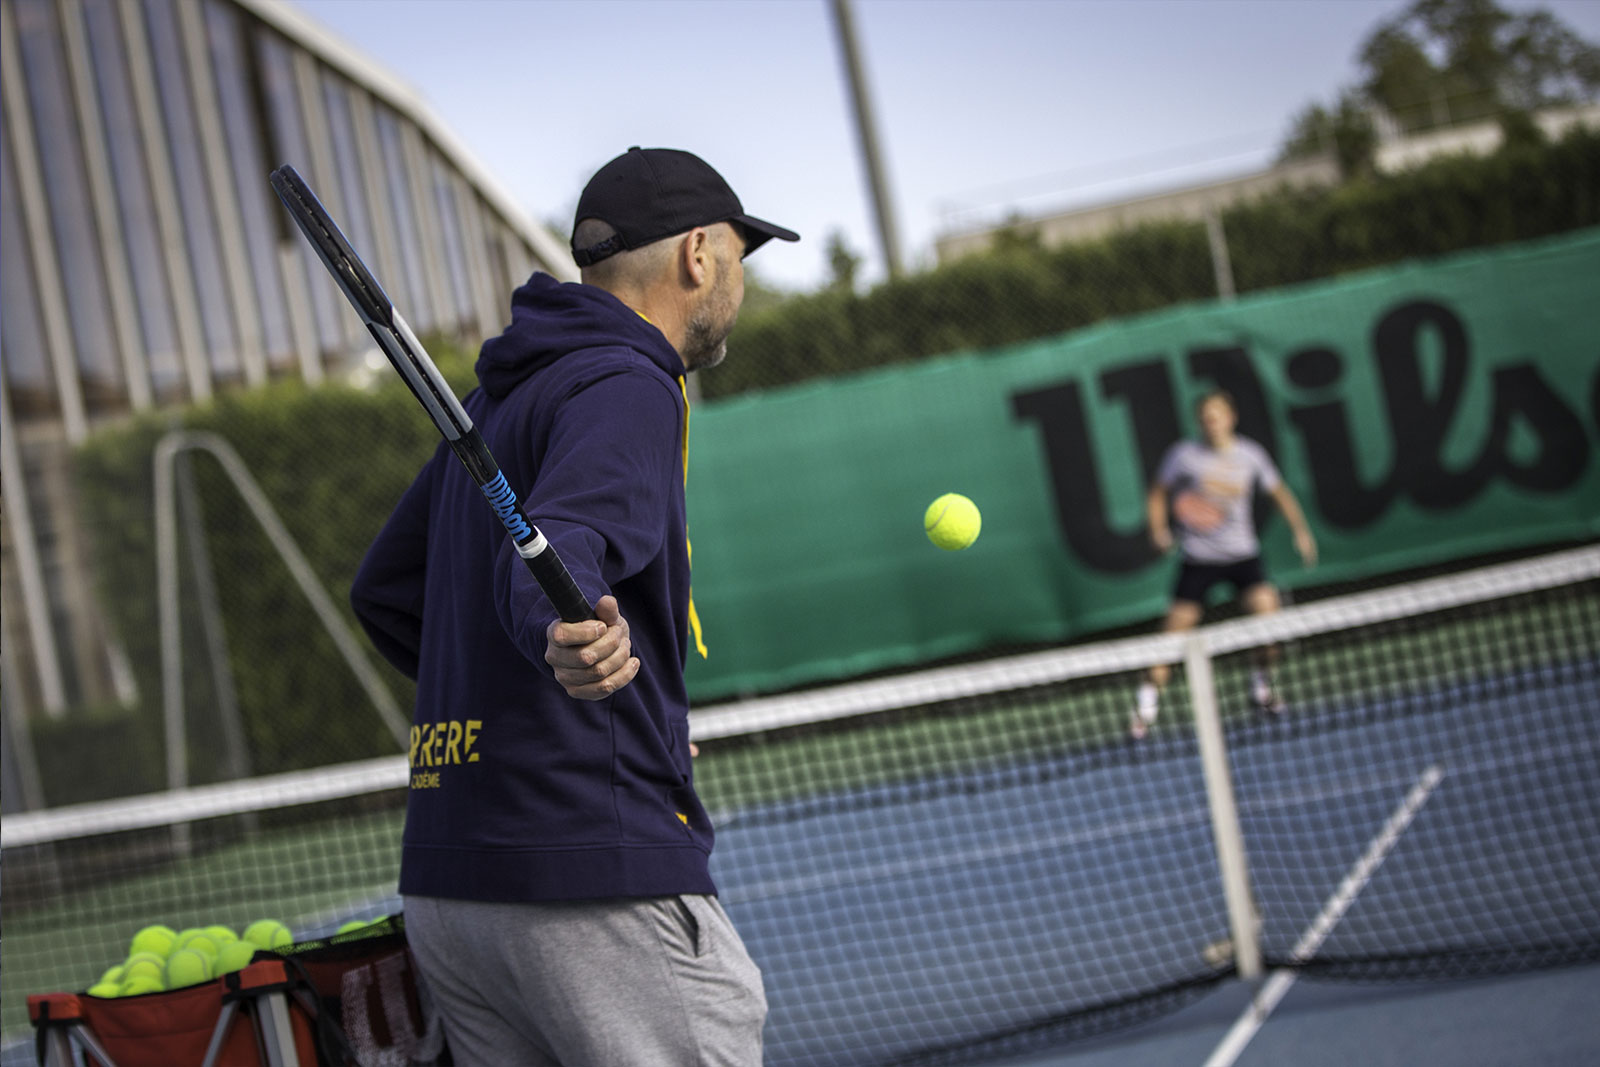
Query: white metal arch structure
165	456
556	257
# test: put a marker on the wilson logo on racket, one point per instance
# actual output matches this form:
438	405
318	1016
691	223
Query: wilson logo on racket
504	502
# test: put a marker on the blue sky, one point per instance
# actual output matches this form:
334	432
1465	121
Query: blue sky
983	107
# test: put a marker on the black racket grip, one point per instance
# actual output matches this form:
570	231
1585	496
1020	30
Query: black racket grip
554	578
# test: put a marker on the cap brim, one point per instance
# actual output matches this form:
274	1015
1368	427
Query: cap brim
760	231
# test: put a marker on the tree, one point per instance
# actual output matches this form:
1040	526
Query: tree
1547	64
1346	133
844	263
1519	131
1017	236
1441	62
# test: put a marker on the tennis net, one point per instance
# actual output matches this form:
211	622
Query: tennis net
976	860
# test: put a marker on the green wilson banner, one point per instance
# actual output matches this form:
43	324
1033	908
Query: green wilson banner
1420	413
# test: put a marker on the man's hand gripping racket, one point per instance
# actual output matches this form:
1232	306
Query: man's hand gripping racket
394	336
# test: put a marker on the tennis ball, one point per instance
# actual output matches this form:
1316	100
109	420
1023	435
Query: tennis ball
143	963
353	924
952	522
221	935
113	975
185	936
158	939
203	944
106	989
187	967
268	933
140	983
235	956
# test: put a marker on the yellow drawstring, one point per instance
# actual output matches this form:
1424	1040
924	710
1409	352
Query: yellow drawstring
694	616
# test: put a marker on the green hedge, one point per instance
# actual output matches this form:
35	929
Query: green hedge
98	753
332	460
1016	293
1022	290
1451	204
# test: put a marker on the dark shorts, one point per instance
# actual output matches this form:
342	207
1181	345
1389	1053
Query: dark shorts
1195	580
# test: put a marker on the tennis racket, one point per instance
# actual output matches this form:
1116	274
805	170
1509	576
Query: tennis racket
409	358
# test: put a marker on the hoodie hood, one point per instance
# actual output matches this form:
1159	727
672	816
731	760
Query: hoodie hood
549	319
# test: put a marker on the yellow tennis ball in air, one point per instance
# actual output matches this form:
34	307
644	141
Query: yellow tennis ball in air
268	933
952	521
188	967
158	939
235	956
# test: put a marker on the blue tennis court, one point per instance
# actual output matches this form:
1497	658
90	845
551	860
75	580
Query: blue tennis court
865	914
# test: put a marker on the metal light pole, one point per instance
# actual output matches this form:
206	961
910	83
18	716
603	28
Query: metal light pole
867	132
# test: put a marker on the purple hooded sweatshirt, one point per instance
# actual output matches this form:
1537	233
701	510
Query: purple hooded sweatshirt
519	792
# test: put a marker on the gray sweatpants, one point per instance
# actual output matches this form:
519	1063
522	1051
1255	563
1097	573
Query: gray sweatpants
603	983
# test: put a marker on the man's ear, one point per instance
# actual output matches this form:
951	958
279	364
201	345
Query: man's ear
695	255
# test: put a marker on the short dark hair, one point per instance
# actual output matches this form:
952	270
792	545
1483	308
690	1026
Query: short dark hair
1216	394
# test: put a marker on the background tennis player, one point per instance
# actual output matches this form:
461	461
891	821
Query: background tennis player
1210	485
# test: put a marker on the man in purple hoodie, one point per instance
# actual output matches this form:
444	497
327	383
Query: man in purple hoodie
555	861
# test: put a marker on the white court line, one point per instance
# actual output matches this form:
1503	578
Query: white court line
924	861
1277	984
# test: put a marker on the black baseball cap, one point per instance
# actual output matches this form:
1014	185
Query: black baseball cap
650	193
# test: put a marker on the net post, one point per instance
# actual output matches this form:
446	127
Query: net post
1224	812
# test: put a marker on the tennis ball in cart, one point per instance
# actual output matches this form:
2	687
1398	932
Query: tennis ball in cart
236	956
202	943
140	983
140	963
268	933
220	935
188	967
952	522
158	939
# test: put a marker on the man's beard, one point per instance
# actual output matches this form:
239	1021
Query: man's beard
705	342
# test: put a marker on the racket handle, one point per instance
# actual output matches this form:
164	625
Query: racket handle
554	578
540	556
